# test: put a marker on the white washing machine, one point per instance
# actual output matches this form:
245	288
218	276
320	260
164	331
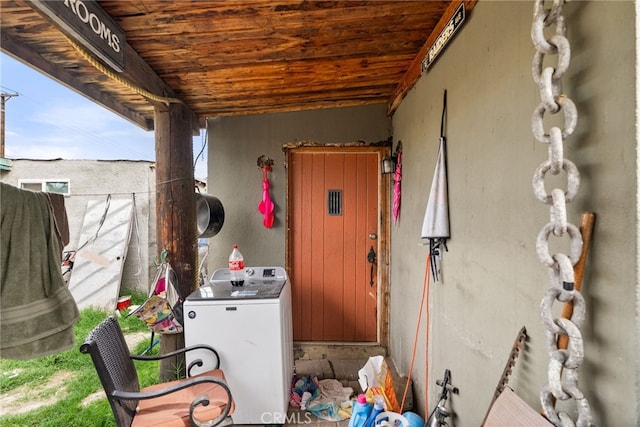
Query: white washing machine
250	327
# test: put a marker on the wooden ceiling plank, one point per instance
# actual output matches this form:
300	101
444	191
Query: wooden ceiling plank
296	84
24	53
266	103
325	67
286	87
281	107
289	45
192	54
319	95
206	17
263	98
413	73
331	34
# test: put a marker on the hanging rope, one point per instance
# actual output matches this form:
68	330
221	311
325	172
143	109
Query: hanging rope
109	73
563	364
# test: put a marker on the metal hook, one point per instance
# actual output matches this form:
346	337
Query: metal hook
163	257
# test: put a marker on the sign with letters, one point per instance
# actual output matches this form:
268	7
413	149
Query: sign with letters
87	23
444	37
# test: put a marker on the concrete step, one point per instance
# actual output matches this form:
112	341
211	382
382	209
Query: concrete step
335	351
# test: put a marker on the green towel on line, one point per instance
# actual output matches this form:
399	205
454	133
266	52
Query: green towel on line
37	310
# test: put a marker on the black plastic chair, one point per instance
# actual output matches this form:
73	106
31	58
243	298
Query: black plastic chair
184	402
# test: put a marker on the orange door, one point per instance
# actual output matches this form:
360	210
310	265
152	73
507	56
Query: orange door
333	224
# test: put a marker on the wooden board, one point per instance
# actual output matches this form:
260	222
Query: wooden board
97	271
510	410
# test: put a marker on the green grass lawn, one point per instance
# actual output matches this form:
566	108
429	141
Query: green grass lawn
77	379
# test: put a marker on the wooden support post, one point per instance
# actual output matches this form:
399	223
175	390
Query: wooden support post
175	212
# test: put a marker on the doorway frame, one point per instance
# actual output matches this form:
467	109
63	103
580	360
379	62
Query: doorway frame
383	271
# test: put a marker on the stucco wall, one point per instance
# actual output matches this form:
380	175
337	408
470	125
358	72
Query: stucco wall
235	143
94	180
492	280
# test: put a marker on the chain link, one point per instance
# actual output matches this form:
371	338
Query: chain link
563	363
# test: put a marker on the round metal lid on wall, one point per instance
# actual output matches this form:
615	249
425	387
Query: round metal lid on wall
209	215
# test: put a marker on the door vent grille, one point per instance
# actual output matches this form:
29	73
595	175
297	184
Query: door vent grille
334	202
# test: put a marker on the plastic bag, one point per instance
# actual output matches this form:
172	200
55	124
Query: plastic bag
162	311
375	378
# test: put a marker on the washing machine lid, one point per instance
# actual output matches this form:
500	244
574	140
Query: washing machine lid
259	283
224	291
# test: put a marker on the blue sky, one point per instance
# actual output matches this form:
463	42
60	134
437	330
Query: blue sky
49	121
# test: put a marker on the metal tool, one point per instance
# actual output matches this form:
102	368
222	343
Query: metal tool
518	344
440	413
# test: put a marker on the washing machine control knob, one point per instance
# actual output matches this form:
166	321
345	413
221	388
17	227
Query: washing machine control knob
192	315
249	272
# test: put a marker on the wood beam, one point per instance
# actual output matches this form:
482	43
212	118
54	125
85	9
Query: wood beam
415	69
175	211
26	54
137	71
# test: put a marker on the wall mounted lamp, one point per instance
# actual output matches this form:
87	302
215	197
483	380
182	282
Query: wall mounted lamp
388	164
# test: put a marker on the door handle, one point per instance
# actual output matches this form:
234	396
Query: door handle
371	258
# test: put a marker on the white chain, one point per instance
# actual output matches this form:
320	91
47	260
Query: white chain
563	364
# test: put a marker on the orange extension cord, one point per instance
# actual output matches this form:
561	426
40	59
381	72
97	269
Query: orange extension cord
425	292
